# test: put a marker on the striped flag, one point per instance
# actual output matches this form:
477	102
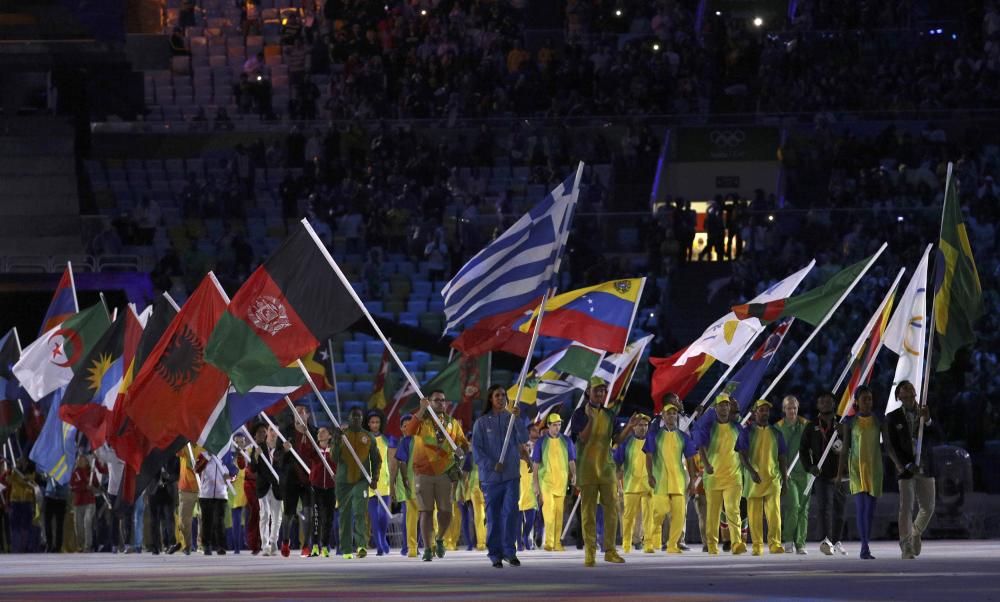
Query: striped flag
617	368
509	277
864	351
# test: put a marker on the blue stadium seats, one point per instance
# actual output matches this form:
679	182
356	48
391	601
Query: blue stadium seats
374	348
354	348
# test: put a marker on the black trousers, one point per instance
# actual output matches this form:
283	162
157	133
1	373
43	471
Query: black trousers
54	516
830	497
161	517
324	501
213	535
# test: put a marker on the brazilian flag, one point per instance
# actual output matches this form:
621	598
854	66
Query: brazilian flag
958	294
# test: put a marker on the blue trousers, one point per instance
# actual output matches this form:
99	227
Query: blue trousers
380	523
503	519
236	531
528	528
865	509
468	531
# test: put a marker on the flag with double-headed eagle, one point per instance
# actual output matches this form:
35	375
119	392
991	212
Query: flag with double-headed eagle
55	357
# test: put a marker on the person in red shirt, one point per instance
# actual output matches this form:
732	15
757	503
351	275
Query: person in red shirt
81	483
250	491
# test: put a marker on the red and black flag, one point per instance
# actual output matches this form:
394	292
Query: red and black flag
290	304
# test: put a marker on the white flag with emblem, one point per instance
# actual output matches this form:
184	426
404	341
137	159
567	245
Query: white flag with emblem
906	334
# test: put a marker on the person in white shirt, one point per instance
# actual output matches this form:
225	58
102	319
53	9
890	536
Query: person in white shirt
212	498
268	489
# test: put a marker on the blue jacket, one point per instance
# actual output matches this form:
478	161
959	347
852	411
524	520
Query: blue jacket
487	441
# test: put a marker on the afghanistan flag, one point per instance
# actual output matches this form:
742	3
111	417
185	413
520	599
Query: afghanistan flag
811	306
285	309
177	391
958	294
51	361
11	415
597	316
90	397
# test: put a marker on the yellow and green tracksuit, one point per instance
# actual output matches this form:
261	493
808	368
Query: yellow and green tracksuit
669	449
553	455
636	490
763	499
722	443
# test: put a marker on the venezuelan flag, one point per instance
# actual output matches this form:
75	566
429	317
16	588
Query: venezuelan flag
598	316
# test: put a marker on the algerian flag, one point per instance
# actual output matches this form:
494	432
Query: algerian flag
51	361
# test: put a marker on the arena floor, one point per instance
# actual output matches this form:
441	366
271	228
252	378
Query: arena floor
947	570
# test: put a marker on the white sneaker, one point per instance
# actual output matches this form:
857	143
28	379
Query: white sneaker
801	551
826	547
839	548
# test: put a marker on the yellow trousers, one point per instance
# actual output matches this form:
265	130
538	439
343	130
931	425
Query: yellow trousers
479	515
589	496
716	500
553	507
454	531
758	508
412	517
637	509
662	505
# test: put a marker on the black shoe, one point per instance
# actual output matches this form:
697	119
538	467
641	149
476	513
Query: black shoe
498	564
727	546
208	552
155	552
173	549
187	551
513	561
221	552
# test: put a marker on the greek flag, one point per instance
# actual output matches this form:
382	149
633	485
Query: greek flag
514	271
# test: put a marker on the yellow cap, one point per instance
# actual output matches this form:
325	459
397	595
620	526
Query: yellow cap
762	402
721	398
641	416
597	381
553	418
670	408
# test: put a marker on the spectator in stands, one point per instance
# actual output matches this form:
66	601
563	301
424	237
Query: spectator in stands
373	274
436	254
178	43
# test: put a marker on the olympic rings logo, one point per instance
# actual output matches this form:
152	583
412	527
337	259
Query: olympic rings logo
727	138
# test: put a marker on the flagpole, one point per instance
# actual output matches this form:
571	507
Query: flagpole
271	424
930	331
72	285
104	302
698	411
333	373
489	369
553	286
197	476
378	331
399	397
309	436
521	378
569	521
17	339
171	301
343	435
262	454
826	318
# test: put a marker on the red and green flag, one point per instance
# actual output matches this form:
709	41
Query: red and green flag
463	382
958	293
811	306
285	309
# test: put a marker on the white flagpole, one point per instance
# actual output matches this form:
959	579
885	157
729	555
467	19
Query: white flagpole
489	369
263	456
171	301
378	331
312	440
191	457
698	411
569	521
72	285
336	424
333	373
277	431
557	262
17	339
521	378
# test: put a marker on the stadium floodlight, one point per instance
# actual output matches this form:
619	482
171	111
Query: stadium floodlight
757	21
